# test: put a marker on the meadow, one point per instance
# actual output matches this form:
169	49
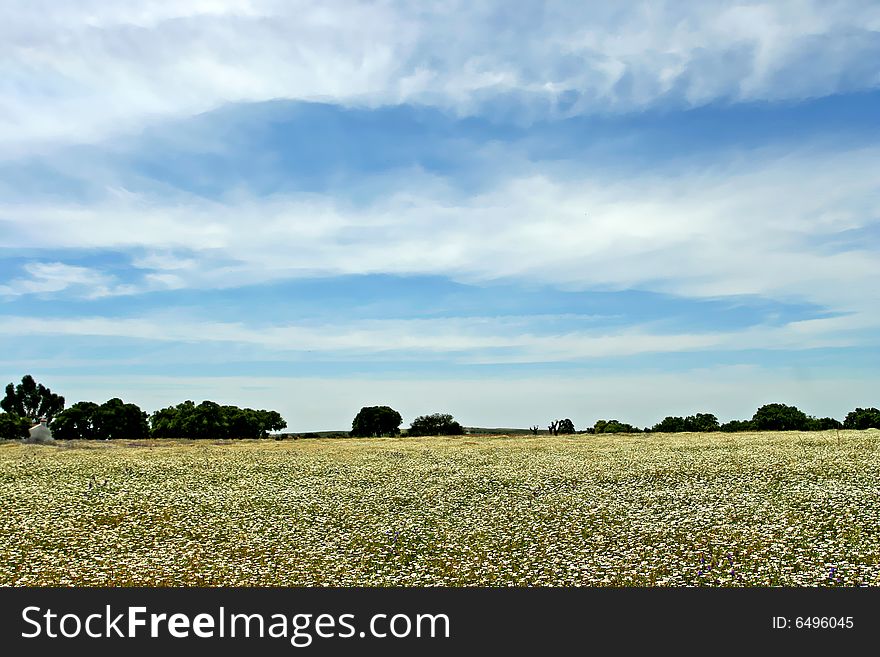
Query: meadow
748	509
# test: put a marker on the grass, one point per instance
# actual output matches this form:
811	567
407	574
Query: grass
752	509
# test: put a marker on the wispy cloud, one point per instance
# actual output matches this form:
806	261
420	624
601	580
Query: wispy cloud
753	226
87	67
54	277
483	340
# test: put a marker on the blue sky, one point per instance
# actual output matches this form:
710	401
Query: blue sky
510	215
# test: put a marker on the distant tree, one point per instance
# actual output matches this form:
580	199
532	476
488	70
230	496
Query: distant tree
13	427
566	426
116	419
76	422
437	424
670	424
206	421
823	424
614	426
270	421
239	423
376	421
779	417
168	422
248	423
621	427
534	430
862	418
111	420
31	400
701	422
737	425
211	420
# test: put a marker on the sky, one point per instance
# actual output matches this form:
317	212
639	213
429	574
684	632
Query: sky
509	212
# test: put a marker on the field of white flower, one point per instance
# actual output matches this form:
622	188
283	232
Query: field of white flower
653	510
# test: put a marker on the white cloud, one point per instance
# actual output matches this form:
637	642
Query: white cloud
757	226
473	340
81	70
53	277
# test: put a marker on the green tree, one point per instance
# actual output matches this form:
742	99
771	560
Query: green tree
670	424
613	426
31	400
240	422
13	427
566	426
862	418
376	421
437	424
779	417
168	422
210	420
270	421
112	419
823	424
737	425
116	419
76	422
205	421
701	422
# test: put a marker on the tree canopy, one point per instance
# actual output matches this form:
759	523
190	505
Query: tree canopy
31	400
701	422
613	426
565	426
116	419
862	418
112	419
779	417
76	422
13	427
376	421
437	424
824	424
211	420
737	425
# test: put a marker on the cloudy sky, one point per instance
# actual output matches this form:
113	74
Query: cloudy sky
509	212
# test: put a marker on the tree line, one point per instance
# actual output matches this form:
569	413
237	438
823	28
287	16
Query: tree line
385	421
25	403
769	417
